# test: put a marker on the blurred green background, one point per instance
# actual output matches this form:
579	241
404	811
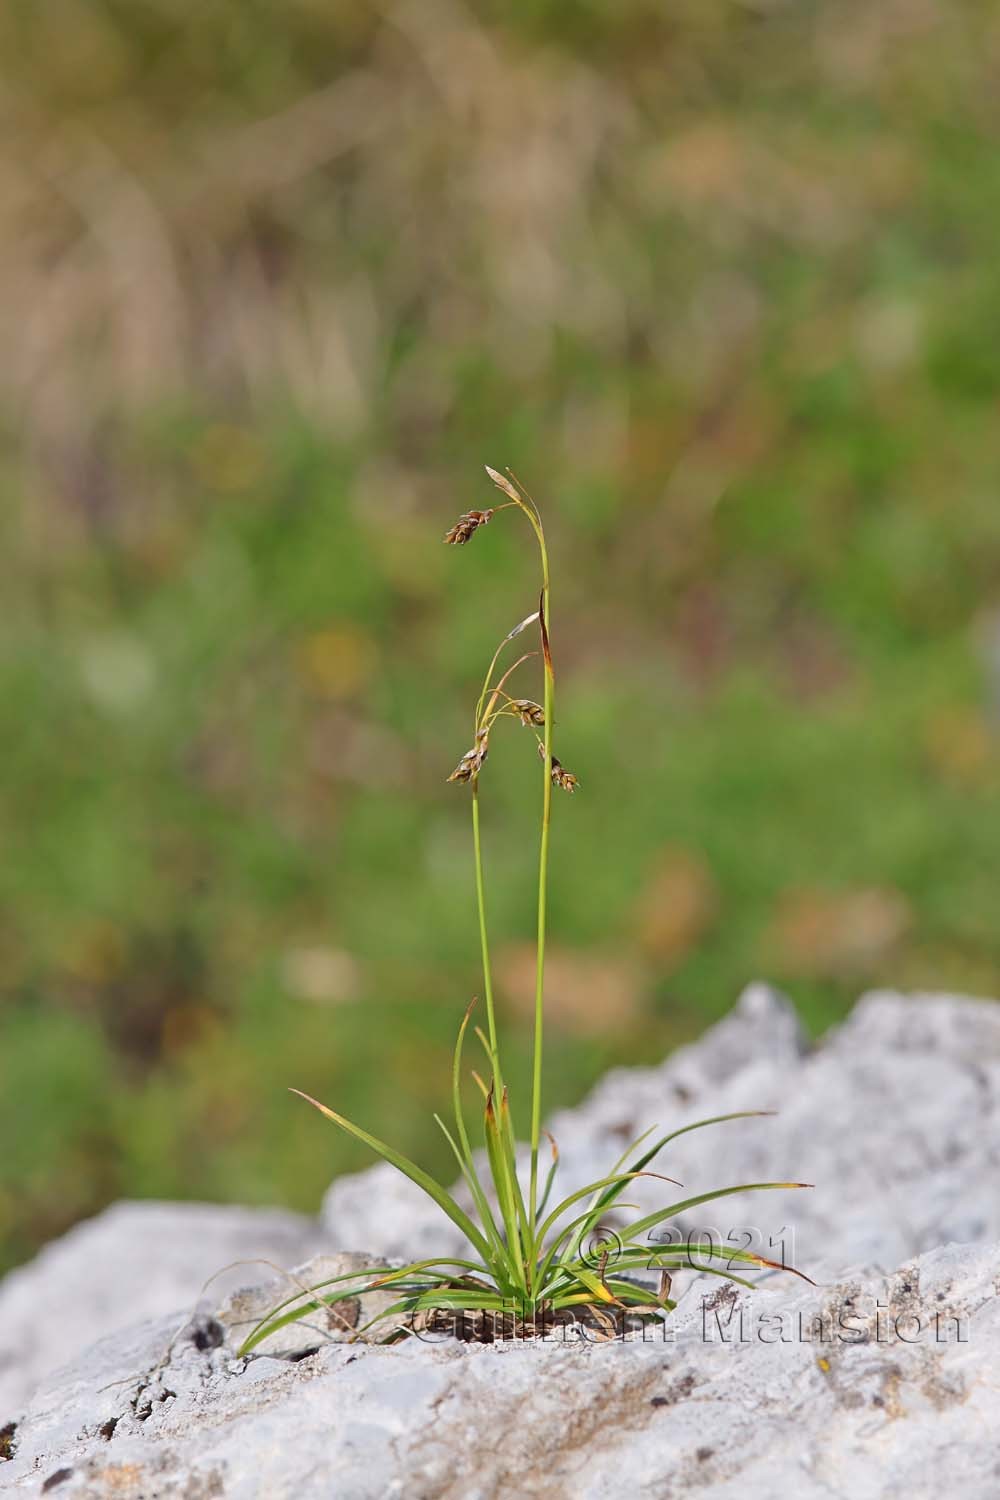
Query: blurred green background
720	281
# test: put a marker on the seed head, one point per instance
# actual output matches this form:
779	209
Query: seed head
560	776
466	524
528	712
472	761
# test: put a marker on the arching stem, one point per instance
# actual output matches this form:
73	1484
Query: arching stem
544	617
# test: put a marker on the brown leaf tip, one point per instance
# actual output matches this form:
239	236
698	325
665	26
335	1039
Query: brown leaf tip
466	526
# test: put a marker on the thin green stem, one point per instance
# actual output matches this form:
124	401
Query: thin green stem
543	872
491	1022
530	510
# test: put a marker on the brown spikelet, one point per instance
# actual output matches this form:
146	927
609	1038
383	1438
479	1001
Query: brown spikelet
466	526
564	778
560	776
528	712
472	761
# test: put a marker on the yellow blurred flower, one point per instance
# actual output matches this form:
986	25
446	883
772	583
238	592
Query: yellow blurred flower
337	662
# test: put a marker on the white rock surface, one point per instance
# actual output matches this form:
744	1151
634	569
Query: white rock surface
883	1406
896	1119
134	1261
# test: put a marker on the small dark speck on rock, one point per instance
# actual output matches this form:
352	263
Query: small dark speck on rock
7	1441
703	1454
59	1477
301	1354
208	1334
107	1428
677	1390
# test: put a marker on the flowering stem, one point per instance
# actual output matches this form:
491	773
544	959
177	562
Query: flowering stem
520	497
543	872
531	511
491	1024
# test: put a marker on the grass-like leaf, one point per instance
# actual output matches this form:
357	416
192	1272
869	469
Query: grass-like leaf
503	1178
643	1226
409	1169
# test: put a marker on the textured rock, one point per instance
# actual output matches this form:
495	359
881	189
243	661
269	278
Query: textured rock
815	1392
134	1261
879	1382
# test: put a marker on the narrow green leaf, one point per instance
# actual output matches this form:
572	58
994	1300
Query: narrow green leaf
416	1174
592	1187
620	1163
456	1089
549	1179
480	1085
683	1251
510	1150
498	1255
642	1226
473	1301
271	1325
469	1168
587	1217
594	1285
643	1161
501	1170
630	1292
276	1317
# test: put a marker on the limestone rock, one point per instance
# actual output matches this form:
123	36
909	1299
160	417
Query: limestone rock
134	1261
872	1386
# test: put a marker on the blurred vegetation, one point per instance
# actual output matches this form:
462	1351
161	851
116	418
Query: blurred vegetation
720	281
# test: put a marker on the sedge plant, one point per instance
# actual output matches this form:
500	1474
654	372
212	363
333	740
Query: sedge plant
528	1264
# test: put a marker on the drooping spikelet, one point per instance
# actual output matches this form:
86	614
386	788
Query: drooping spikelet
560	776
472	761
528	712
466	526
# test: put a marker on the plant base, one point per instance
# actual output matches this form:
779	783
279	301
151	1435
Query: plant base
590	1323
